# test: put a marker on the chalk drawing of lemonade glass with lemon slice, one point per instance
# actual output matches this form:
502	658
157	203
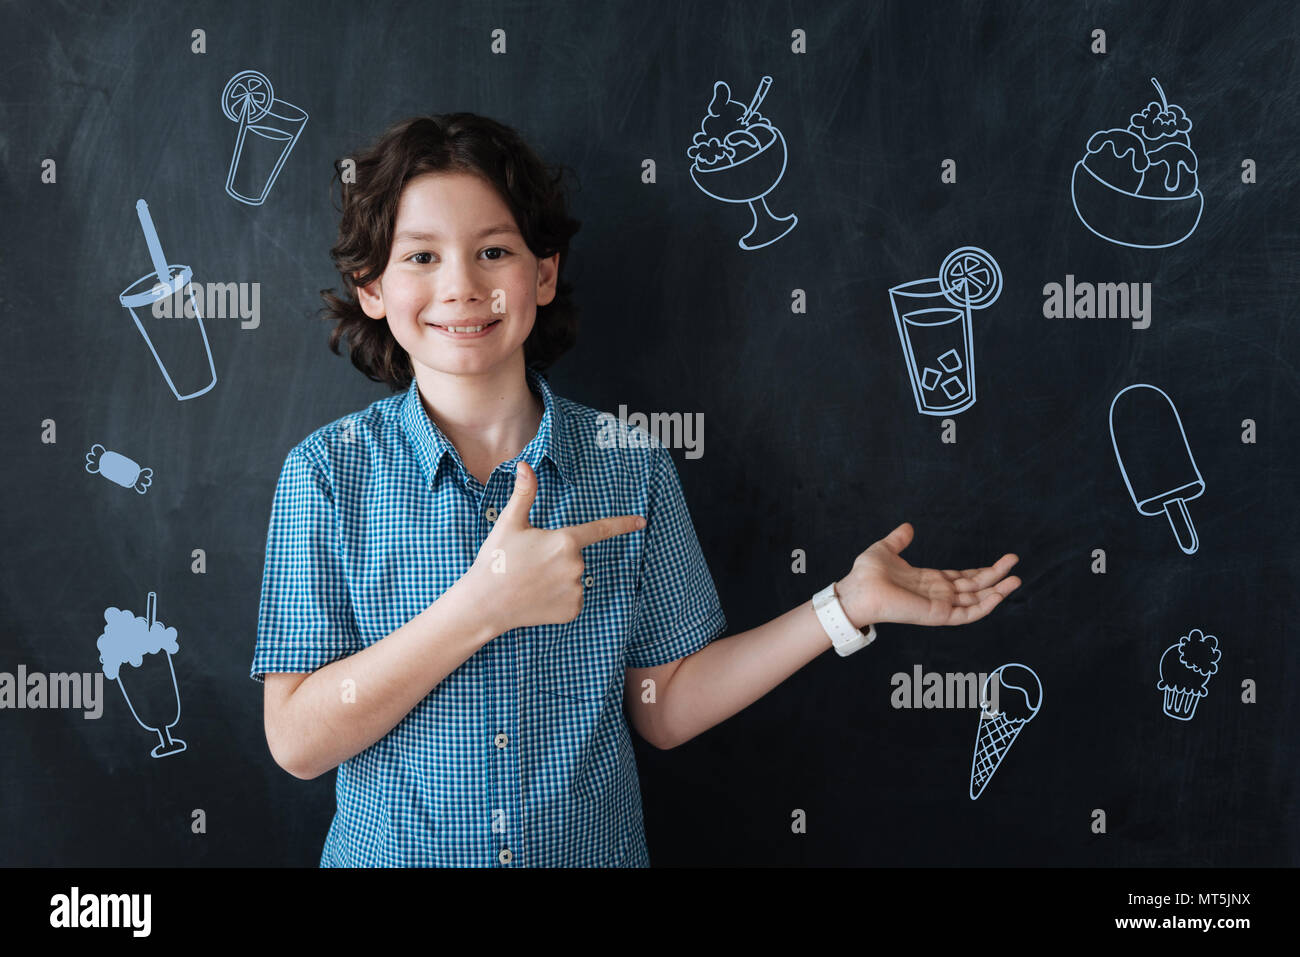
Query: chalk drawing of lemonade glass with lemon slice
933	317
268	130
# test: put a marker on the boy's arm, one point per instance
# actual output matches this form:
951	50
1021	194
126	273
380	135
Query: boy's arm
724	677
311	724
694	693
312	727
642	714
328	695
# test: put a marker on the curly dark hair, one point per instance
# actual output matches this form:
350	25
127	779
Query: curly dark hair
447	142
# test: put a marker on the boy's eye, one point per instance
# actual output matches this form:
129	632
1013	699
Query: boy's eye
415	257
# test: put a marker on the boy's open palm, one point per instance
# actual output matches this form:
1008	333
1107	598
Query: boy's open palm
533	576
883	587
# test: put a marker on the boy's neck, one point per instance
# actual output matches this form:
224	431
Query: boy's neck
488	417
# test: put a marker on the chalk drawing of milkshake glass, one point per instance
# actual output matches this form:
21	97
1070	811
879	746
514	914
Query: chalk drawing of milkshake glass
136	652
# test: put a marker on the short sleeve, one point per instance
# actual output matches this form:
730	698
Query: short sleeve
677	607
305	620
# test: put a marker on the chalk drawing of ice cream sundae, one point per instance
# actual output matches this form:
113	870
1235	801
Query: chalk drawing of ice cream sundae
1137	186
739	157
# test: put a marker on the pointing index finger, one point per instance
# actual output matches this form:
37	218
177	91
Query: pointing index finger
588	533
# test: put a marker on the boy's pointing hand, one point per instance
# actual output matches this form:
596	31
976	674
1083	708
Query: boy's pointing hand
534	576
883	587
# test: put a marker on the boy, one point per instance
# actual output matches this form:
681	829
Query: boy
463	588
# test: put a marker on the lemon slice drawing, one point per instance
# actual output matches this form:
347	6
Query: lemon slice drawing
970	277
248	93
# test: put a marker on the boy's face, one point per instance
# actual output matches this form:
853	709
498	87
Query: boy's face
458	260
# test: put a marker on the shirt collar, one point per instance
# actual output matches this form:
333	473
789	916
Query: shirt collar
552	440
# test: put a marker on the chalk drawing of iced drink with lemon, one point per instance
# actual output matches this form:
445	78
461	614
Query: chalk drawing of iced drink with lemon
268	130
933	317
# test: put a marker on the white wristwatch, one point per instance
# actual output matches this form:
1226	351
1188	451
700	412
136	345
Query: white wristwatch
843	635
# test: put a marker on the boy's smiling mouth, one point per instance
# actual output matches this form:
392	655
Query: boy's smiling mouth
466	330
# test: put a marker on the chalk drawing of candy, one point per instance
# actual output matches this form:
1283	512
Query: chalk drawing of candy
118	468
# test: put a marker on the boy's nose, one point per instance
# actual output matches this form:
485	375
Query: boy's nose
459	281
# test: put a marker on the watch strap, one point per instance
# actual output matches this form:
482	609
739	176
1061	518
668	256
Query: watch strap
845	638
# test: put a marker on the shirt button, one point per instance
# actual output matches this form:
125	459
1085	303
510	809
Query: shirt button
501	740
589	581
490	514
505	857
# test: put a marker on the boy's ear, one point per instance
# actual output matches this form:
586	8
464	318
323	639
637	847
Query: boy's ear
371	299
547	272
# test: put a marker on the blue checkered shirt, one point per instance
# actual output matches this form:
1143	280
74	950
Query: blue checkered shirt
522	755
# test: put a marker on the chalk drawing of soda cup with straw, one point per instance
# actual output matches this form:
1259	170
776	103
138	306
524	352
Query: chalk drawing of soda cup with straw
268	130
173	336
147	645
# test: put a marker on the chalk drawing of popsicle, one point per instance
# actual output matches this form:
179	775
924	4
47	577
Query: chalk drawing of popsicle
1155	459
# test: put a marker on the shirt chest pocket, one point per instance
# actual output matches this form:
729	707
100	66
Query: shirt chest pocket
583	658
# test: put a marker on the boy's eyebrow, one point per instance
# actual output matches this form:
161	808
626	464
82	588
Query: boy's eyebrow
422	235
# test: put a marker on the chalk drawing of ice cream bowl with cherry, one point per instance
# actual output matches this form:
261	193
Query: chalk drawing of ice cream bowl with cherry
149	685
1137	186
739	157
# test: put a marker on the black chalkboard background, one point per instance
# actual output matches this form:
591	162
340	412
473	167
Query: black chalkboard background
812	438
